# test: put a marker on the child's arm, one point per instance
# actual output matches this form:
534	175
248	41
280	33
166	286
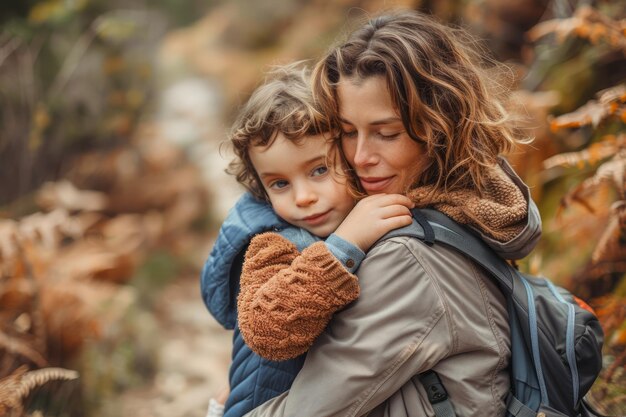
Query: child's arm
287	298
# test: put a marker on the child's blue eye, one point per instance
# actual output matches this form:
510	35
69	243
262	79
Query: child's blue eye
279	184
321	170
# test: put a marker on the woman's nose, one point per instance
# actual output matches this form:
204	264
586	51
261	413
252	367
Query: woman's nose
364	153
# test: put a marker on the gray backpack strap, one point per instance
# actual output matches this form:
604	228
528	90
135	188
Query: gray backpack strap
452	234
428	226
412	230
437	394
517	409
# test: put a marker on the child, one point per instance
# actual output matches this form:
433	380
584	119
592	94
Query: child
282	160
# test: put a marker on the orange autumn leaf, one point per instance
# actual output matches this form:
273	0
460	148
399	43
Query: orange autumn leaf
619	338
607	146
593	112
586	23
612	245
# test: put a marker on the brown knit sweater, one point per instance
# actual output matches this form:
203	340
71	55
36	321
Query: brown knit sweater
288	298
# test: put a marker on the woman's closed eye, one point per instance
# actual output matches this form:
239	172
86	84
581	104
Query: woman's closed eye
349	133
388	136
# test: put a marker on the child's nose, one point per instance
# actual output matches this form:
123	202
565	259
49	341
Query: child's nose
305	196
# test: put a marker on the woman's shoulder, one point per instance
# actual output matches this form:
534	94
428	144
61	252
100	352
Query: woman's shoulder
408	254
410	246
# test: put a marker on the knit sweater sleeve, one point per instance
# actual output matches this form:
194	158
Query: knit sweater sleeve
287	298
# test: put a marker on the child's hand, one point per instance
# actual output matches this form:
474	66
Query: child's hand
374	216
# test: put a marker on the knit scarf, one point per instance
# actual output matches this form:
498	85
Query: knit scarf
499	213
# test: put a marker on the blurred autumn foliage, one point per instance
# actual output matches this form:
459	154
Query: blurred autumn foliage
92	190
574	97
73	74
64	269
75	79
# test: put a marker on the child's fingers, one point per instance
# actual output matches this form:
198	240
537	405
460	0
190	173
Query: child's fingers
396	222
391	199
387	199
395	210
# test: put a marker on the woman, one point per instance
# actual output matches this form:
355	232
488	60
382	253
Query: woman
417	118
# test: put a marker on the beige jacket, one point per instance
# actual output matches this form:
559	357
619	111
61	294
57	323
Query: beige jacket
419	308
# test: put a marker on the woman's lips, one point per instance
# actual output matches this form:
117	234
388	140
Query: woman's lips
316	219
373	184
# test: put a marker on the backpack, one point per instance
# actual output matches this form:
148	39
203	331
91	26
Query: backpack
556	340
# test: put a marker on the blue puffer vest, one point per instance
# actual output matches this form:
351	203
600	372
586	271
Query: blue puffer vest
253	380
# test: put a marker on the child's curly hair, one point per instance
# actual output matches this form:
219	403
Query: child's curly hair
282	104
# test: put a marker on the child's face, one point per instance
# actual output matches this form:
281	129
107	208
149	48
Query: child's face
300	185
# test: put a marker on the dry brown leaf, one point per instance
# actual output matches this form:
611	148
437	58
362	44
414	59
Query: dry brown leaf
607	146
561	27
16	294
15	387
612	245
43	228
153	191
153	225
591	113
79	262
71	314
611	310
187	208
10	402
16	346
594	111
8	239
65	195
616	94
124	233
81	224
103	170
586	23
612	172
38	377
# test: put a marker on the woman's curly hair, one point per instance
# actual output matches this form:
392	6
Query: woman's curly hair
437	82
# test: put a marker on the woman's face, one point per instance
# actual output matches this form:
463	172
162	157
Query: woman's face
374	138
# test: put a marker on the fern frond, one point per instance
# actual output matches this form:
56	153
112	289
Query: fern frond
9	386
607	146
586	23
13	345
612	244
610	103
37	378
15	387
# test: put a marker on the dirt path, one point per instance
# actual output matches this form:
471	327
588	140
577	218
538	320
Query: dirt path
194	351
194	357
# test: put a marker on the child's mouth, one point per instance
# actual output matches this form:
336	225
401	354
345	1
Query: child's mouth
316	218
